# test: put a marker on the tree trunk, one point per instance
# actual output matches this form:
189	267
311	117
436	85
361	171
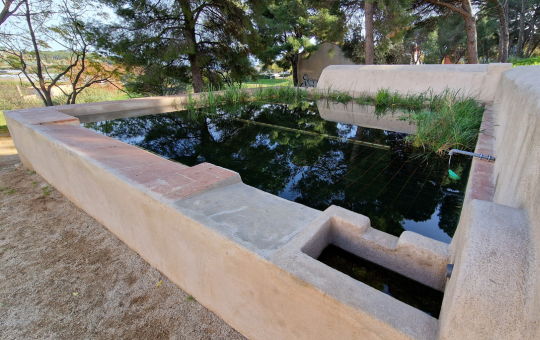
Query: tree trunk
4	14
521	28
504	36
42	91
196	73
531	46
294	62
193	53
470	28
370	43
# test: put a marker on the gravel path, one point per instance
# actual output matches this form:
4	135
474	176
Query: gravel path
64	276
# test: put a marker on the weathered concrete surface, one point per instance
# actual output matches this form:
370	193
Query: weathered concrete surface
327	54
489	293
477	80
207	232
413	255
364	116
221	241
257	220
517	169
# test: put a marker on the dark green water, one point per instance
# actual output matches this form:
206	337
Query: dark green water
290	151
396	285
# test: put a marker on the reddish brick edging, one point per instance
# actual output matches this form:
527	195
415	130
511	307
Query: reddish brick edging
481	183
156	174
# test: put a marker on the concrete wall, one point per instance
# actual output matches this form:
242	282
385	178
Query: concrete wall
480	81
517	169
327	54
249	256
218	239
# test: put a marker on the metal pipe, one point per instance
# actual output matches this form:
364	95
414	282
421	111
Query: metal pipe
449	270
472	154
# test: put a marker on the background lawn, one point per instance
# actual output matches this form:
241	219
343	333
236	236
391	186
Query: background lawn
3	127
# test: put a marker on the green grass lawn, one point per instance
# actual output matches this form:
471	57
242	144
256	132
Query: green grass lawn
3	126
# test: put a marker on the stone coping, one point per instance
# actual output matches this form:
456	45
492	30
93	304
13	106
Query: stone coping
481	184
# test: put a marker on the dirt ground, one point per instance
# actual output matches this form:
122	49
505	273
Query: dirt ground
64	276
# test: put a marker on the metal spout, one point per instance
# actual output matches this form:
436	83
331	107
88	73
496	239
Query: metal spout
472	154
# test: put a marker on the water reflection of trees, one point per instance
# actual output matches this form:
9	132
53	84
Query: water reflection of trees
307	168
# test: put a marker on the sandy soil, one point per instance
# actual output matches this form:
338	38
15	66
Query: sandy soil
64	276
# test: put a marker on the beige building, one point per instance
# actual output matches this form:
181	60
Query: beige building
312	67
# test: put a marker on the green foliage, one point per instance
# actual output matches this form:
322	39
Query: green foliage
450	121
46	190
524	61
168	44
444	120
293	29
2	121
391	20
337	96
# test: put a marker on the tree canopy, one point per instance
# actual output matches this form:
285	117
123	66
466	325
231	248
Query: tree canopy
293	29
161	47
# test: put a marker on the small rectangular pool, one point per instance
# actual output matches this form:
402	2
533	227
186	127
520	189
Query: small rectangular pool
314	154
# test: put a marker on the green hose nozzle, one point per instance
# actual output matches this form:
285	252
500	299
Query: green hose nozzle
453	175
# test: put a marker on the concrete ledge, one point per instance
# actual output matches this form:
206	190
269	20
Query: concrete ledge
481	183
488	294
393	319
479	80
413	255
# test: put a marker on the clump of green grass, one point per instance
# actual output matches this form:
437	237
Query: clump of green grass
7	190
340	97
46	190
365	99
451	122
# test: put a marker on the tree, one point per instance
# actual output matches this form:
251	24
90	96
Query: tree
521	34
386	22
181	40
463	8
500	7
23	50
523	31
370	42
10	8
293	29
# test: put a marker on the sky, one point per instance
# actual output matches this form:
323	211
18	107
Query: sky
14	24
